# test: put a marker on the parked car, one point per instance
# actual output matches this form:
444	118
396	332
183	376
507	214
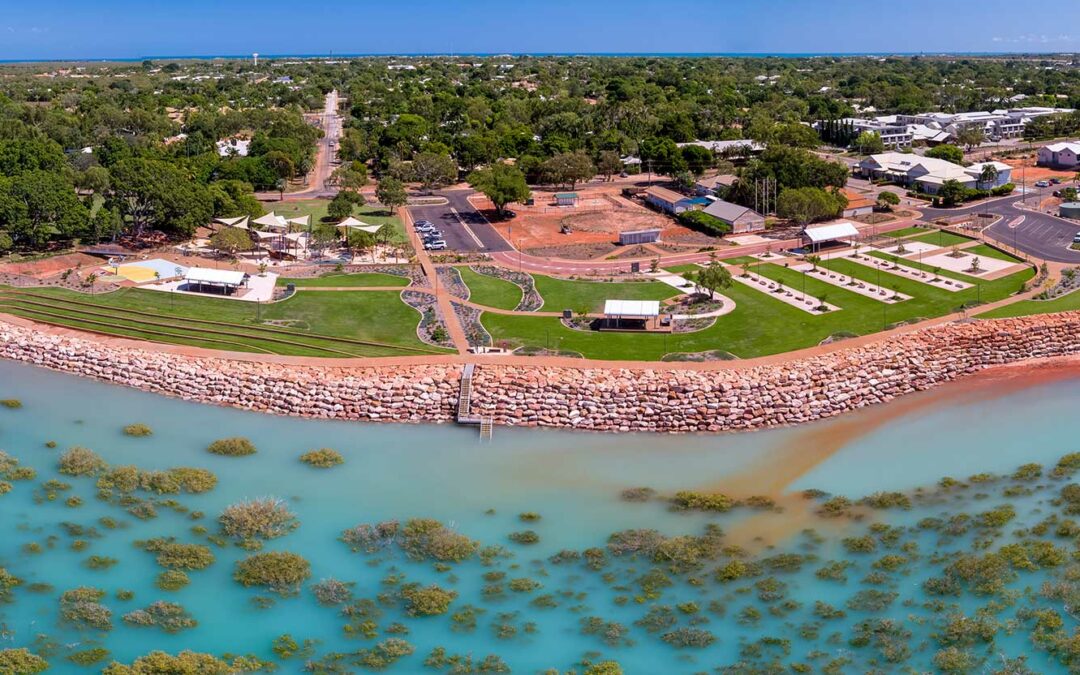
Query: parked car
432	234
423	229
1076	238
1042	183
426	223
437	245
1055	180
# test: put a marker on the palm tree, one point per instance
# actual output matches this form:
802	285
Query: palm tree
813	260
988	175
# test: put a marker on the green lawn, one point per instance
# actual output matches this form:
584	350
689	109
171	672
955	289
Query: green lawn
316	208
489	291
906	232
1065	303
683	269
560	294
990	252
740	259
941	238
760	324
341	279
289	327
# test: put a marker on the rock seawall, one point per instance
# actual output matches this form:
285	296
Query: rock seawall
600	399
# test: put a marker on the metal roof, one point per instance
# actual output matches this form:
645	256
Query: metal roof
727	211
205	275
839	230
632	307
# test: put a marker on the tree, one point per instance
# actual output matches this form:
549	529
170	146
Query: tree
697	158
391	193
231	240
153	193
808	204
433	170
988	175
886	200
280	163
360	241
609	163
42	206
568	168
502	184
351	176
949	153
6	243
713	278
868	143
813	260
971	136
341	206
952	192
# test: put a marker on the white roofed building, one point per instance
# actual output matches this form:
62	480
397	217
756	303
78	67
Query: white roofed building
1065	155
928	174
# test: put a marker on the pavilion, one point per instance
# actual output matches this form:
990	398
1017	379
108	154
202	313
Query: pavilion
824	234
633	314
207	280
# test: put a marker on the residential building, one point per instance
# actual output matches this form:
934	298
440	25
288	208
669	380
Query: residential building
894	134
714	185
900	131
668	201
736	147
741	218
1061	155
231	147
927	174
858	204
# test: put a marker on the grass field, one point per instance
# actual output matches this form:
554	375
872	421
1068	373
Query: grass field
307	324
316	208
560	294
761	324
990	252
1065	303
941	238
905	232
341	279
683	269
489	291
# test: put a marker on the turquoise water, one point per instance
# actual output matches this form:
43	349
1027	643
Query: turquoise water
572	480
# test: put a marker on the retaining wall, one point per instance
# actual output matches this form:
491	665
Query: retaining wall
666	400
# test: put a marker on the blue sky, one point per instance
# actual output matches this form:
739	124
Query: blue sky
58	29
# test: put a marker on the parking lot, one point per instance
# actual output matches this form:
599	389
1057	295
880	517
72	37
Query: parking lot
463	227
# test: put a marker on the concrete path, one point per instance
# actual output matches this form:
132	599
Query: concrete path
442	297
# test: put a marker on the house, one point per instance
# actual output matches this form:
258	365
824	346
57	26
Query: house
566	199
668	201
858	204
928	174
233	147
1064	155
714	185
737	148
741	218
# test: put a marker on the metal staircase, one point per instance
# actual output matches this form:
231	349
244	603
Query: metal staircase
465	415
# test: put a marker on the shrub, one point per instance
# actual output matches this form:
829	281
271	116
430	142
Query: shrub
177	555
428	601
185	662
81	607
689	637
89	657
194	480
266	518
322	459
232	447
371	538
21	662
697	501
100	562
8	581
528	517
168	616
425	538
172	580
525	537
279	571
704	222
638	494
332	592
11	403
138	430
80	461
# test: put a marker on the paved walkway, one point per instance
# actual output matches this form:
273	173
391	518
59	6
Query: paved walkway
442	297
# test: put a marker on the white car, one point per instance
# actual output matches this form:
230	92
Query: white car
437	245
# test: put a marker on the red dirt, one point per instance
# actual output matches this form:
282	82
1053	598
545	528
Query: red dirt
48	267
601	214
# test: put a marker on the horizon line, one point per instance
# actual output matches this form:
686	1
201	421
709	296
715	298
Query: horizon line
657	54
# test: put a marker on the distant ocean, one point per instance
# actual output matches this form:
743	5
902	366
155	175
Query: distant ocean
684	55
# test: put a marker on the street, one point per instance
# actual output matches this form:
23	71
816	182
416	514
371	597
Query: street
1037	234
463	227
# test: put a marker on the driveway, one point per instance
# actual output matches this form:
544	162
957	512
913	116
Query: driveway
463	227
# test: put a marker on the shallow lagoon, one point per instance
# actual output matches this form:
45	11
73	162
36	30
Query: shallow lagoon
572	480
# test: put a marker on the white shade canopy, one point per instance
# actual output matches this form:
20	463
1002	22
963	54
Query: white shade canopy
233	222
633	308
206	275
300	220
830	232
272	220
362	226
350	222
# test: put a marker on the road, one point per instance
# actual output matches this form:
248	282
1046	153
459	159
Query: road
331	124
463	227
1037	234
